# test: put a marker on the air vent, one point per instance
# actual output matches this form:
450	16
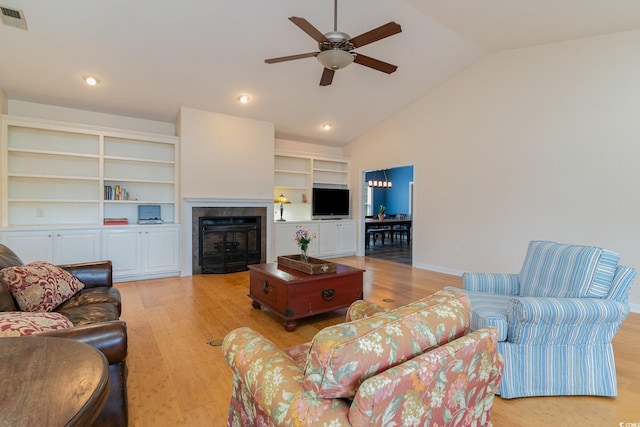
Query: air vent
13	18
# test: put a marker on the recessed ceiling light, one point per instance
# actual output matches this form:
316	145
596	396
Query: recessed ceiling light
90	80
326	126
244	99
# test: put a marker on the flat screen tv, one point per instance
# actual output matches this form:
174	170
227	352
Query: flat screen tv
330	203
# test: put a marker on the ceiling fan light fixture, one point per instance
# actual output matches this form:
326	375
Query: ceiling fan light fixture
336	47
335	59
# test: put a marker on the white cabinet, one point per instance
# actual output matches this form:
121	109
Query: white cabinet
285	233
161	250
333	238
142	252
296	174
123	246
74	246
55	246
56	173
61	180
337	238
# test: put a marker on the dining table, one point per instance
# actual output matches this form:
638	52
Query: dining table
387	225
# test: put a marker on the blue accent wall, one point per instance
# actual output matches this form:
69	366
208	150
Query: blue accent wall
396	199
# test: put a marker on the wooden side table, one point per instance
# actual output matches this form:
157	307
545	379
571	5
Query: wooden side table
46	381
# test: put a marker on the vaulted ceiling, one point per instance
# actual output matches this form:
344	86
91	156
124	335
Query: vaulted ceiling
154	56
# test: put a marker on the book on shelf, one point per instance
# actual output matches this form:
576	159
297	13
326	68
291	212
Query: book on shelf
115	192
116	221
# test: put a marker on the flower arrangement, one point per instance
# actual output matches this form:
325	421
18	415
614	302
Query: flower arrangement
303	237
382	210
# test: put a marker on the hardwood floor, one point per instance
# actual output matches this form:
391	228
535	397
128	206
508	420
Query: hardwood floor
397	250
177	379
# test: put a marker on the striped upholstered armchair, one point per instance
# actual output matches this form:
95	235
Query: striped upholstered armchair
555	319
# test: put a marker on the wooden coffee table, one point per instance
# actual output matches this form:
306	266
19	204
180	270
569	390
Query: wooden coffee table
293	295
46	381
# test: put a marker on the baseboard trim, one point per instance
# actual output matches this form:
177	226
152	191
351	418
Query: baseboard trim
438	269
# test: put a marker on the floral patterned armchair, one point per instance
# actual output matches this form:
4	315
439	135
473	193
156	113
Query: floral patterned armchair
414	365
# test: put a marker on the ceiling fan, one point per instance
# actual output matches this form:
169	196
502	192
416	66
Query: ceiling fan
336	48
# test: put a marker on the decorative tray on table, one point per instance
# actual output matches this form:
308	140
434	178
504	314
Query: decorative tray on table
312	266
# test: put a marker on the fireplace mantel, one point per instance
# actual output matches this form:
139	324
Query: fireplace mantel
189	203
221	202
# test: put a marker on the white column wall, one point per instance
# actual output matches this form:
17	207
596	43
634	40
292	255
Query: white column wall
225	156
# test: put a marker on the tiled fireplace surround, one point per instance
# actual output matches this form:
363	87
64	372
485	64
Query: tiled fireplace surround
194	209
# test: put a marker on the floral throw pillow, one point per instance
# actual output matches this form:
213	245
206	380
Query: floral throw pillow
17	323
343	356
40	286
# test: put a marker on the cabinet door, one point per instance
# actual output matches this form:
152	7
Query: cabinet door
337	238
285	245
328	238
30	245
285	233
123	248
347	242
161	250
74	246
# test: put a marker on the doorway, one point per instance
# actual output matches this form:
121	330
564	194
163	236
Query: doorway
391	191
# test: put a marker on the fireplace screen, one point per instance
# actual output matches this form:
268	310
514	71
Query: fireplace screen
229	244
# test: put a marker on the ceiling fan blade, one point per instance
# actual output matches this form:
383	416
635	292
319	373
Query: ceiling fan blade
290	57
327	77
309	29
376	64
376	34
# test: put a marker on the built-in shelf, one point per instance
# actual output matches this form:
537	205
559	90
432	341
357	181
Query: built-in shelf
48	167
296	175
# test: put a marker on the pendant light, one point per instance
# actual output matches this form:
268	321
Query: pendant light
381	184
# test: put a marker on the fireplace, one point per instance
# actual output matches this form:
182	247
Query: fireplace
229	244
226	239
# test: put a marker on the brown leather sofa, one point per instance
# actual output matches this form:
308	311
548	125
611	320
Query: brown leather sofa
95	313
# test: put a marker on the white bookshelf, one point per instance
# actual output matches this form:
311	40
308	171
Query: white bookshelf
296	174
55	173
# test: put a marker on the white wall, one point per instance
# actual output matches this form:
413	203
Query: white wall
534	143
307	148
4	102
71	115
225	156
